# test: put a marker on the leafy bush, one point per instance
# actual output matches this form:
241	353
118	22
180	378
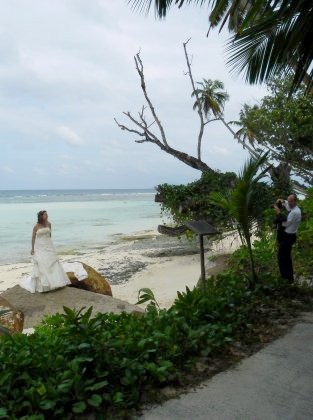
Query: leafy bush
74	363
187	202
265	247
303	254
265	256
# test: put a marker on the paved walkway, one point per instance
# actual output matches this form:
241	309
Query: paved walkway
275	383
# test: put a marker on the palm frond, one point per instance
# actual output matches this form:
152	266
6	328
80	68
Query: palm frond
276	43
161	7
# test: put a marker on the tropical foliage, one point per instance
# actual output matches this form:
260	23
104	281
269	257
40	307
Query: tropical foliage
190	202
212	97
303	254
75	364
241	204
269	37
284	124
265	247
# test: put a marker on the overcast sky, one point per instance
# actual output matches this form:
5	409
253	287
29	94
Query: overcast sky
67	69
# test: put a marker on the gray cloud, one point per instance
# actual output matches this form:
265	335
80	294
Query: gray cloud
67	69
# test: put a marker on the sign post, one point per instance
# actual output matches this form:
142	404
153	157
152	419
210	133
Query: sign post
201	228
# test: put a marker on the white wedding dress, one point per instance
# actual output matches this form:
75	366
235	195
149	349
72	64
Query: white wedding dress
48	273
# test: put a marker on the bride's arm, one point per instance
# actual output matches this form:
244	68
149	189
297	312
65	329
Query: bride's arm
50	229
33	240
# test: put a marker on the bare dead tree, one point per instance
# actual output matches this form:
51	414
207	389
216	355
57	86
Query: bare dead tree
142	128
198	102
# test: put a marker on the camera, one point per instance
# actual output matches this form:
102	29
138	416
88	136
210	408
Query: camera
279	204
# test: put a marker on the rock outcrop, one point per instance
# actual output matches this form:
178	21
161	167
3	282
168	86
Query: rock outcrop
35	306
10	318
95	282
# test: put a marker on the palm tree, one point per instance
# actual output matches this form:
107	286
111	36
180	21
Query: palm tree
211	96
275	41
245	131
241	203
270	37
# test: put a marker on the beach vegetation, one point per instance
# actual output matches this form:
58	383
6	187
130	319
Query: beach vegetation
190	201
146	295
264	247
303	254
241	205
283	124
78	363
210	99
267	38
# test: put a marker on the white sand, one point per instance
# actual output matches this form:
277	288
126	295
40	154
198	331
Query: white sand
11	274
173	274
163	275
164	278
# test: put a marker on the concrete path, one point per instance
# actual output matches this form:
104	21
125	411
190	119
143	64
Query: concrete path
275	383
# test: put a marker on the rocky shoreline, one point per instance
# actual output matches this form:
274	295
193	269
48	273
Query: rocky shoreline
120	262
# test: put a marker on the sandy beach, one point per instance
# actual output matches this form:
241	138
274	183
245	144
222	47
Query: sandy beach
163	264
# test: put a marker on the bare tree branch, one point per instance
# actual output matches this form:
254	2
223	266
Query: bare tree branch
143	128
198	102
252	152
139	67
305	174
213	119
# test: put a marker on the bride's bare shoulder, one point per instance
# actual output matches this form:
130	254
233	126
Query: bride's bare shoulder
36	227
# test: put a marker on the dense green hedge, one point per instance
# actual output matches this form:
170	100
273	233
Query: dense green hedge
191	201
76	364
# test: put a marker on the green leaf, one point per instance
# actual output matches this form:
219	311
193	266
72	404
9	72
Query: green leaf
79	407
145	295
97	386
3	413
95	400
83	346
47	405
41	389
118	397
5	376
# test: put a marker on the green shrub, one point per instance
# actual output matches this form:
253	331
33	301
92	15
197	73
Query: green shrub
74	363
265	247
303	254
190	202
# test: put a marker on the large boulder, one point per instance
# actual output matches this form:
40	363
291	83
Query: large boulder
10	317
95	282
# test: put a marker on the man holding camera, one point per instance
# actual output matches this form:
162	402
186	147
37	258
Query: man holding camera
288	227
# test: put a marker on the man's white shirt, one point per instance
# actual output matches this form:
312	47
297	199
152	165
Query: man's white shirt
293	219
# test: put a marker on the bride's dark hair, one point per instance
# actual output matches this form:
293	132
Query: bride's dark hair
40	215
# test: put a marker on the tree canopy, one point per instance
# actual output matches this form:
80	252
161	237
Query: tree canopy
284	124
269	37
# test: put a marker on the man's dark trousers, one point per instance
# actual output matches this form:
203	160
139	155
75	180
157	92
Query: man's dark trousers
284	255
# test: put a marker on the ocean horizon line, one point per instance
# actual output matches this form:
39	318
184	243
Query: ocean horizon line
76	189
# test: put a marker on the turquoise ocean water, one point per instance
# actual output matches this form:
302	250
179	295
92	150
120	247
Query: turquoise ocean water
82	220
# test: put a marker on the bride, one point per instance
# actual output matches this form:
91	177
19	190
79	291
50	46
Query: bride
47	273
